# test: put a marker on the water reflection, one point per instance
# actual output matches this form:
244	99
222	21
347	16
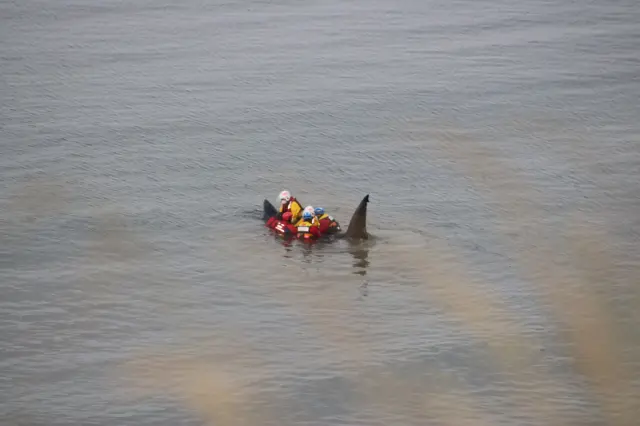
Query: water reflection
287	244
307	252
360	253
292	244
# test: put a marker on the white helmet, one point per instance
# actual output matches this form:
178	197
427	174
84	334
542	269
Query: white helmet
309	209
284	197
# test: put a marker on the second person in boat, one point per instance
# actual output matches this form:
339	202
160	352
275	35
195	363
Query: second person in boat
309	227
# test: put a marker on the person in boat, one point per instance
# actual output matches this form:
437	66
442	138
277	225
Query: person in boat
314	219
307	228
289	204
327	223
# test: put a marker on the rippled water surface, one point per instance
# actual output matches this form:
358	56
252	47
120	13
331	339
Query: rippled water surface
499	141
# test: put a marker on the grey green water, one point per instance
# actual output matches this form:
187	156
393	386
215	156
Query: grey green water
138	140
